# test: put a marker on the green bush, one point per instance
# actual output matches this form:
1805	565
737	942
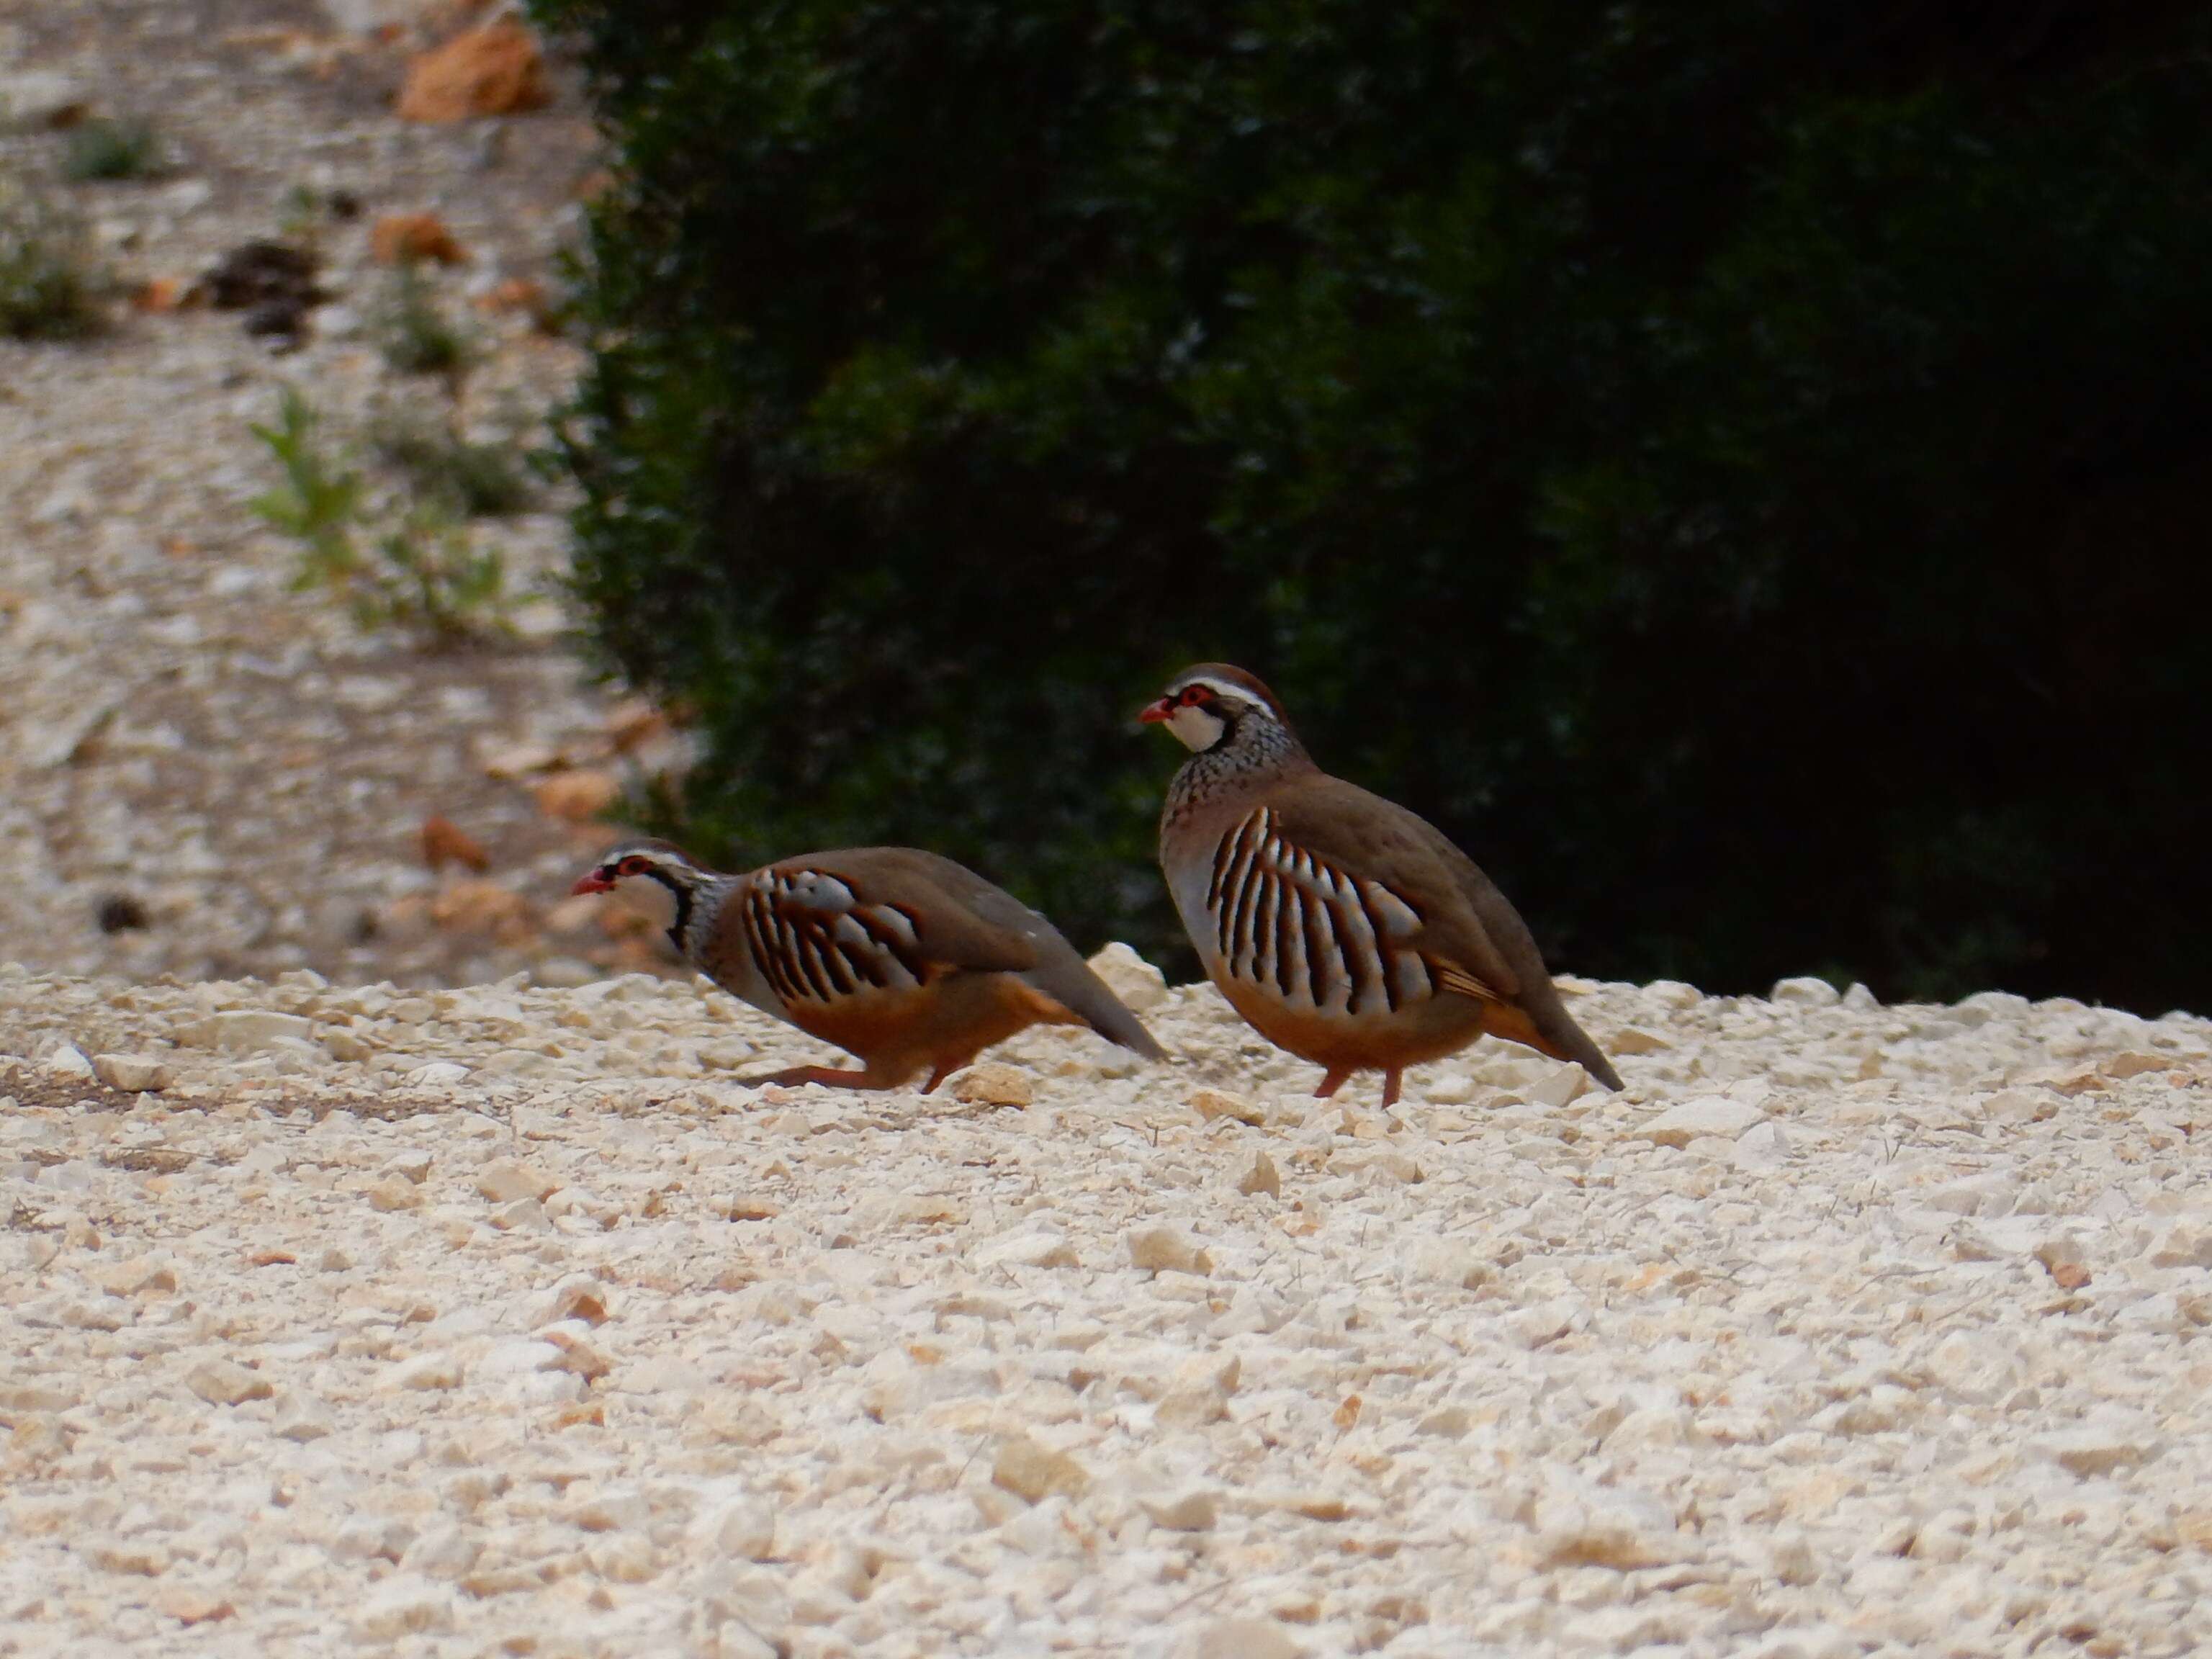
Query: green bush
1742	472
420	571
51	283
105	149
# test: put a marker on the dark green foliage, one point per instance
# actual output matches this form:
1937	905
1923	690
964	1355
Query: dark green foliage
421	573
413	331
51	283
1745	473
467	478
112	149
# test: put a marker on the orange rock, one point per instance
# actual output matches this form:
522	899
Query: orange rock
577	796
496	69
398	239
446	843
515	293
160	295
1347	1413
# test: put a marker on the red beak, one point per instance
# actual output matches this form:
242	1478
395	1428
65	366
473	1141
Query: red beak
1156	713
593	883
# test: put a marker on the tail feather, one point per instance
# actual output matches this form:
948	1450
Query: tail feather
1072	985
1547	1028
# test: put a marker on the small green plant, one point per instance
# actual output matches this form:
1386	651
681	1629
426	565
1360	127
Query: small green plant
472	480
305	211
51	283
112	149
422	573
413	331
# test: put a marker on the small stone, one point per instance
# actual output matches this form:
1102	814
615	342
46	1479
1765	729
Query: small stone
1213	1103
426	1373
1027	1247
578	1357
1260	1177
523	1215
438	1074
1710	1114
1451	1261
1563	1086
1163	1249
1141	987
398	239
993	1085
2185	1244
1762	1147
1196	1510
1807	992
405	1604
2097	1449
743	1530
2134	1063
1036	1473
1635	1040
69	1061
138	1557
1449	1423
507	1181
223	1382
301	1417
133	1073
577	1296
494	70
392	1194
188	1605
245	1030
1239	1638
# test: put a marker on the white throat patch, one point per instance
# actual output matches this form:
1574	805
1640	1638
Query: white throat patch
1195	729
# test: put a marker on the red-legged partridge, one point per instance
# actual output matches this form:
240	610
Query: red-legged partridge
1342	927
903	959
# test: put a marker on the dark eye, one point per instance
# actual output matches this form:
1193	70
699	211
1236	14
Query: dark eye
1193	695
631	866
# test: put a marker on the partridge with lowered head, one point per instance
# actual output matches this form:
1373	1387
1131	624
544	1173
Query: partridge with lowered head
1343	928
911	962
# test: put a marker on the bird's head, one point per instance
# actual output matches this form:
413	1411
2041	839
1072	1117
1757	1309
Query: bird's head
1210	703
658	861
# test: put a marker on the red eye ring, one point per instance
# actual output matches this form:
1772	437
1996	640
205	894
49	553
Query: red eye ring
1192	697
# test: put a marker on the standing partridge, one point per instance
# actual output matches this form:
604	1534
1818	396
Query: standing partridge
1340	926
903	959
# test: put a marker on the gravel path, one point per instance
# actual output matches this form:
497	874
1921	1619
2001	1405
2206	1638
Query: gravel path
499	1320
202	771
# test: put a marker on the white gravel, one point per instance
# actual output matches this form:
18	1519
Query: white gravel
499	1322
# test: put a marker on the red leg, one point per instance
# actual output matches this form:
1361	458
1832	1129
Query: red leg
937	1077
1330	1083
1390	1086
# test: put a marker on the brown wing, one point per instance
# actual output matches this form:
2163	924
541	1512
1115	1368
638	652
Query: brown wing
1477	943
823	925
890	917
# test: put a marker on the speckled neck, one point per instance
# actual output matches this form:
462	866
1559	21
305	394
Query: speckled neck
1254	750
